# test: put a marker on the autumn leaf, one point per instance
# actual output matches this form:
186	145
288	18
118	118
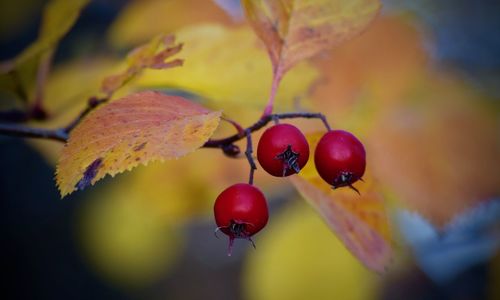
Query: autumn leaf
359	221
427	123
227	67
129	28
298	259
136	129
152	56
293	30
58	18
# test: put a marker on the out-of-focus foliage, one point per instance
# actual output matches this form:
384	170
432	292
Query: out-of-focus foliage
127	241
460	35
228	67
295	30
58	18
66	96
149	56
136	129
70	85
430	138
298	258
132	26
360	221
471	238
15	17
232	8
166	195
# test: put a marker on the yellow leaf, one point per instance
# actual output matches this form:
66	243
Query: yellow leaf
139	128
129	28
444	137
293	30
58	18
297	258
359	221
430	136
227	67
125	241
151	55
70	85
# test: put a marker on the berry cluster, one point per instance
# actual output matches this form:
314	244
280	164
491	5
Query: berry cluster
340	159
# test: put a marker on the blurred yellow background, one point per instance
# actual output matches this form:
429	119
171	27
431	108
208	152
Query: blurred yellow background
432	138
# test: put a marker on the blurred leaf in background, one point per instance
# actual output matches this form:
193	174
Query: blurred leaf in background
126	241
471	238
18	74
431	138
17	17
293	31
460	36
359	220
229	68
130	28
298	258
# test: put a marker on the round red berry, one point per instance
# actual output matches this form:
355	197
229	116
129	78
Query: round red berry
340	158
283	150
240	212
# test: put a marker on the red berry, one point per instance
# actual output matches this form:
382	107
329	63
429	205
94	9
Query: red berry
240	212
340	158
282	150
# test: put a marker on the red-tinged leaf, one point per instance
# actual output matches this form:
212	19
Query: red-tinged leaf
293	30
136	129
152	56
359	220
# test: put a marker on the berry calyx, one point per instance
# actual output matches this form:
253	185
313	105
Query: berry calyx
340	159
240	212
283	150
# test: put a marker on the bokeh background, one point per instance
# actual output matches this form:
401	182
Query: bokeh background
420	87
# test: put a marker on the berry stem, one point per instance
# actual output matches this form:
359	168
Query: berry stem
31	132
277	75
235	124
230	246
249	156
220	143
92	103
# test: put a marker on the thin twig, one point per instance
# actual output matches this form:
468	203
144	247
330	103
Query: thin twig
249	156
235	124
277	75
226	144
58	134
220	143
92	104
30	132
